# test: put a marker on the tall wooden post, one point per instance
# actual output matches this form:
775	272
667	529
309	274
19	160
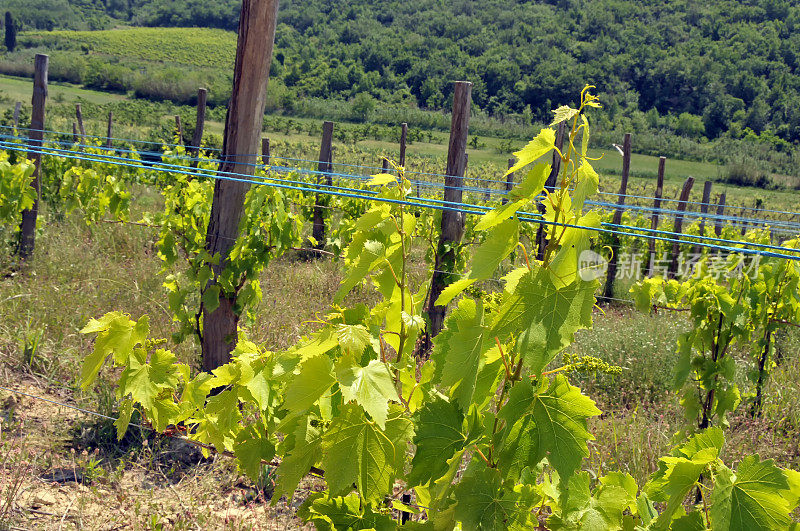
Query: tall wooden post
324	167
79	117
720	212
509	181
651	243
673	264
200	123
266	152
28	226
452	228
608	291
703	211
242	131
110	129
17	109
403	140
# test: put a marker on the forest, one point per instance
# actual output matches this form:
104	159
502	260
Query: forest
699	69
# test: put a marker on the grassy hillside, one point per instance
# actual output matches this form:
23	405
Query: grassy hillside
198	47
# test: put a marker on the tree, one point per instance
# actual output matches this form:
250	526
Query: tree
11	32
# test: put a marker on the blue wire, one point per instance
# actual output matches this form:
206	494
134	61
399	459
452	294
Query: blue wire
468	208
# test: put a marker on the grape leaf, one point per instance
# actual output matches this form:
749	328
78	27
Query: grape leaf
438	437
371	387
499	243
544	317
532	185
562	114
542	144
353	338
382	178
251	447
117	334
560	412
499	215
458	352
329	514
751	499
483	503
315	378
147	381
582	509
553	425
357	451
306	442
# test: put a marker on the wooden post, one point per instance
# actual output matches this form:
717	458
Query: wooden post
74	133
703	211
555	168
384	164
651	243
28	226
509	181
266	153
200	123
179	129
324	166
110	129
550	184
720	212
687	188
17	109
608	291
242	132
403	139
79	116
452	228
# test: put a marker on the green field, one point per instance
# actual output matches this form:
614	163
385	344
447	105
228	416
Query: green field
201	47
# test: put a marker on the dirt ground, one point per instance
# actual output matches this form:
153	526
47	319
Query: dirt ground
59	469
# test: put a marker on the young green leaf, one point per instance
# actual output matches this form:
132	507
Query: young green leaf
371	387
357	452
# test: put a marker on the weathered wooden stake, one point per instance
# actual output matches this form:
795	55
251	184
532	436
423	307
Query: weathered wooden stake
324	167
17	109
179	129
200	123
651	243
720	212
242	132
403	139
75	133
452	228
608	292
79	117
509	181
28	226
550	184
673	264
110	129
703	211
384	164
266	152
